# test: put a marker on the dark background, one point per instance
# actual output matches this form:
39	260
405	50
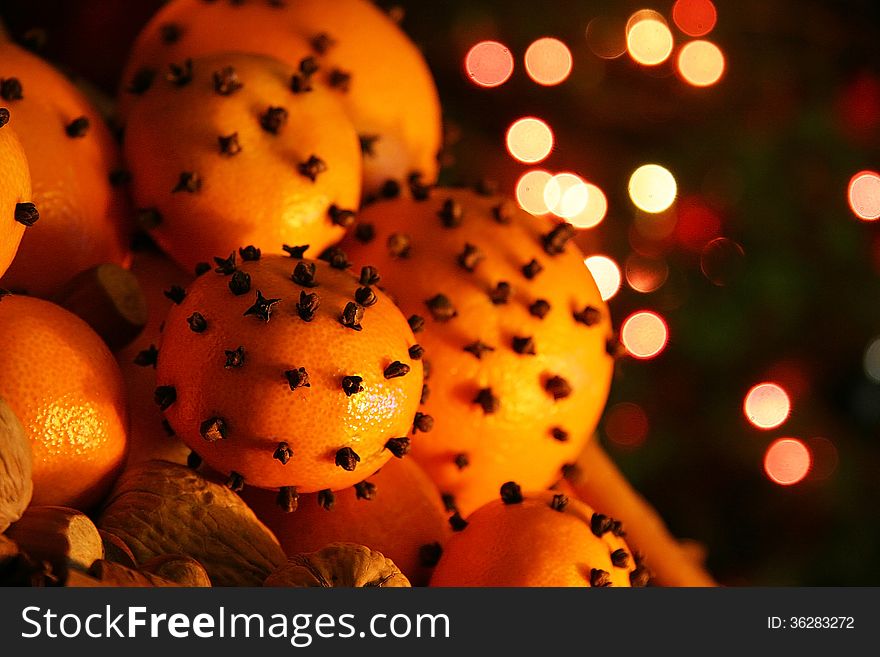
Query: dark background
768	151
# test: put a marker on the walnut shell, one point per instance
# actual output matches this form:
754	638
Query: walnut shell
16	486
179	569
107	573
338	565
159	508
63	537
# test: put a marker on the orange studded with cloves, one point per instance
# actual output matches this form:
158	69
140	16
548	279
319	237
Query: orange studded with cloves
514	331
538	539
272	372
223	152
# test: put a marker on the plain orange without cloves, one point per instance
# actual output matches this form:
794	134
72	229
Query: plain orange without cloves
62	382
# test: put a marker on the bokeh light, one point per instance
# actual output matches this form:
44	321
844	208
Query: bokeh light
652	188
626	424
700	63
695	18
606	273
787	461
824	458
871	360
648	38
697	224
489	64
606	36
644	334
530	191
594	211
722	261
529	140
548	61
767	405
645	275
864	195
566	195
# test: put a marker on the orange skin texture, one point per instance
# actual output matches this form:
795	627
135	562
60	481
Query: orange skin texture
367	44
62	382
15	187
255	400
515	442
256	196
529	544
83	219
405	514
148	438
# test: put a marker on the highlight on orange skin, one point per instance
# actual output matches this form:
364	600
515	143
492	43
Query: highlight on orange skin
488	64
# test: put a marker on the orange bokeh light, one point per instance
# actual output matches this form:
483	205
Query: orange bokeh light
626	424
548	61
530	191
529	140
700	63
767	405
648	38
489	64
566	195
787	461
594	211
606	273
606	37
644	334
695	18
864	195
645	275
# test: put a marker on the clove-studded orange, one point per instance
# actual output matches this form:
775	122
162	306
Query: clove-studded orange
514	330
17	210
367	61
288	374
71	155
538	539
397	511
223	152
61	381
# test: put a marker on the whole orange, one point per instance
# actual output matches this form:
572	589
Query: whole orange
515	332
397	511
15	192
537	539
83	218
62	382
225	154
290	374
373	68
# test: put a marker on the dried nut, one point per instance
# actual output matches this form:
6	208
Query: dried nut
63	537
338	565
16	486
18	569
108	573
116	550
110	300
178	569
160	508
